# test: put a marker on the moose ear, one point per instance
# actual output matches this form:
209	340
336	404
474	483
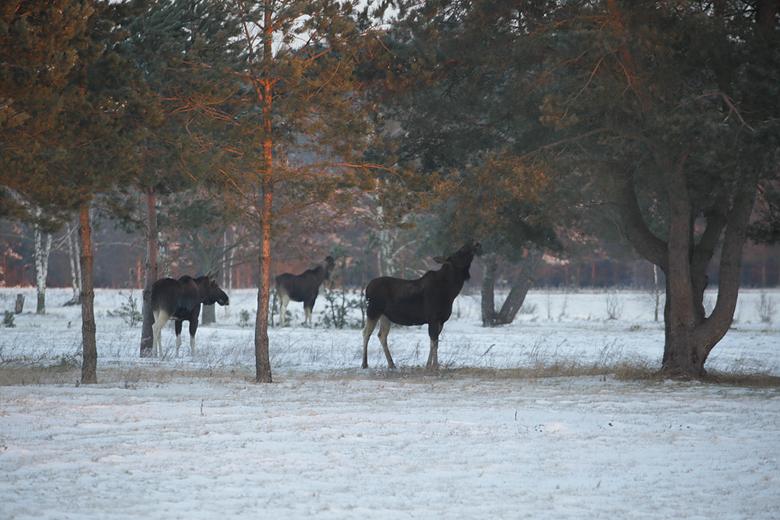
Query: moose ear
439	259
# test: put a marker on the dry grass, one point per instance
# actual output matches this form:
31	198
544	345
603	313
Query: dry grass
130	377
127	377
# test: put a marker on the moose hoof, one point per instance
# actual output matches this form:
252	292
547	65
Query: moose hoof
364	365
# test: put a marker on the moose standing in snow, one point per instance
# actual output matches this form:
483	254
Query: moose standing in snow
417	302
181	300
302	287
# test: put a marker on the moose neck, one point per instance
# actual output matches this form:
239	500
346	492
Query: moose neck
203	293
455	277
321	273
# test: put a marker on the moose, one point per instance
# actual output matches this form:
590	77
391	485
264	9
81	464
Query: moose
426	300
181	300
302	287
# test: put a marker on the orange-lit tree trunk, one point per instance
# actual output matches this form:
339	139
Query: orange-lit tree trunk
88	342
151	270
265	93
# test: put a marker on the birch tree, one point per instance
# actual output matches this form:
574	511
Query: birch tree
42	241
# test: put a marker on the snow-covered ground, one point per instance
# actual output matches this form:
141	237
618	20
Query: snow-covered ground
164	439
554	327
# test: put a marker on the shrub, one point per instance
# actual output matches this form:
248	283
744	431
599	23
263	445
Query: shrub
243	318
128	311
614	309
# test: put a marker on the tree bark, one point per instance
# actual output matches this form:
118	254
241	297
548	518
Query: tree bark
151	271
42	250
488	291
89	345
265	91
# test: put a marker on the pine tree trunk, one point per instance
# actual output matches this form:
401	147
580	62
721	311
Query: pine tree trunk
262	356
151	270
488	291
514	300
690	336
89	345
42	250
520	287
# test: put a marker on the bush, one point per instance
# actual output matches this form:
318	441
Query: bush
243	318
337	307
614	309
128	311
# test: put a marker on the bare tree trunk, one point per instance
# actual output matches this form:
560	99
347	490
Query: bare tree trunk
42	249
488	290
262	356
75	264
209	315
151	270
656	292
89	345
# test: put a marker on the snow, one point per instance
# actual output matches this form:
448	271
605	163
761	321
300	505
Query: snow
194	438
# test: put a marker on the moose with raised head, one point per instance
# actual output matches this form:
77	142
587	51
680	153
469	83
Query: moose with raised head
180	300
302	287
426	300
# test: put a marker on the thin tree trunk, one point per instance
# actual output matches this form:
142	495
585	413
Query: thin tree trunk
42	250
73	257
89	345
656	292
151	271
488	291
262	357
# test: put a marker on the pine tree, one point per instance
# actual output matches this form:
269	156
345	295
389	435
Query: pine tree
299	110
674	116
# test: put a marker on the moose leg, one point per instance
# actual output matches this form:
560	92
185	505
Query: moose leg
193	330
284	299
367	330
160	319
177	326
384	330
308	306
434	329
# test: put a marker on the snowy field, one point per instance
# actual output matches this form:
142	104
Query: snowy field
525	421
